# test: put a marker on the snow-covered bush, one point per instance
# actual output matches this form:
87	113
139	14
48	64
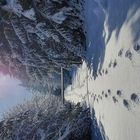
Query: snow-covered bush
45	118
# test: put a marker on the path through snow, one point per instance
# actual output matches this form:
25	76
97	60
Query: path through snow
113	67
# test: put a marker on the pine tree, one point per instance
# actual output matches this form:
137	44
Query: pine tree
38	37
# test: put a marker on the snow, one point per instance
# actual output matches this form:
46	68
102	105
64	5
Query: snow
41	133
30	14
113	66
44	117
13	6
58	17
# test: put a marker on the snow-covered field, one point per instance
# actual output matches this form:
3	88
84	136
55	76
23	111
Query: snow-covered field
110	80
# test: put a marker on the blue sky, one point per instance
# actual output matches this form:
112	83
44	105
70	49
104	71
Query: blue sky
11	93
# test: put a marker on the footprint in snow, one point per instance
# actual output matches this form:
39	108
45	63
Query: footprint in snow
100	97
106	95
119	93
109	91
114	99
100	73
120	53
102	92
106	72
110	64
137	48
134	97
115	63
126	104
103	71
129	54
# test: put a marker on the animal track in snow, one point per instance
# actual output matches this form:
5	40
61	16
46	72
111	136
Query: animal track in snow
126	104
114	99
119	93
106	72
106	95
102	92
137	48
120	53
134	97
110	64
103	71
109	91
129	54
115	63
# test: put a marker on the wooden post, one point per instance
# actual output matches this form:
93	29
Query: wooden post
62	84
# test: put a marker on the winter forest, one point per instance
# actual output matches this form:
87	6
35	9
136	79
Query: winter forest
69	69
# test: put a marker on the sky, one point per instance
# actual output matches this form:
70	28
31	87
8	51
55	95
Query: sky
11	93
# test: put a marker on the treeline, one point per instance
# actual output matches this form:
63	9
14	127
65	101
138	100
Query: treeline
38	37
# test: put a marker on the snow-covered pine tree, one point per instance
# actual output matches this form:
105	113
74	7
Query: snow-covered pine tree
45	118
38	37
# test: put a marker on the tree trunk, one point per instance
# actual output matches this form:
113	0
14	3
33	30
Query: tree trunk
62	84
